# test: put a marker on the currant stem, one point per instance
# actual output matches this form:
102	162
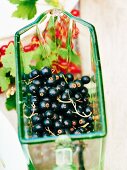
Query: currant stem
48	130
85	125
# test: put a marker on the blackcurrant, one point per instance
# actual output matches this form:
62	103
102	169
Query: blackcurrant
36	82
34	73
47	122
68	91
77	132
34	99
46	99
51	81
88	110
84	91
48	114
37	128
90	119
24	89
44	105
64	107
42	92
79	83
33	89
53	92
69	113
64	96
46	72
67	123
90	127
82	121
26	111
34	110
72	86
63	84
69	77
36	119
85	79
74	122
77	96
85	101
60	131
55	116
55	106
58	124
61	76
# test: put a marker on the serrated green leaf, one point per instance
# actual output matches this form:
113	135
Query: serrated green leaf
4	81
8	60
26	58
46	50
11	102
25	10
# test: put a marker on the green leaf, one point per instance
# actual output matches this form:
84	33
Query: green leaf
51	44
14	1
63	52
26	10
4	81
11	102
8	60
26	57
54	3
74	58
51	23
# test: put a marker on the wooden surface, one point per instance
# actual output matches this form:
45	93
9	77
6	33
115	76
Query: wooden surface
110	19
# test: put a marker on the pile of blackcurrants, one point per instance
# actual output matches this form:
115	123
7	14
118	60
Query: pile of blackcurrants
56	104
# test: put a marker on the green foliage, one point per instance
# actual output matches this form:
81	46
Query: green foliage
4	81
11	102
8	60
26	9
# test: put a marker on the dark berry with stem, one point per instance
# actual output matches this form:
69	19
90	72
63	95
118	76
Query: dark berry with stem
33	89
26	111
59	88
90	127
69	113
74	122
67	123
89	119
60	131
79	83
51	81
47	122
36	119
34	99
82	121
55	116
46	72
85	101
58	124
77	96
85	79
42	92
61	76
77	132
88	110
47	99
64	107
63	84
38	128
53	92
72	86
48	114
84	91
55	106
37	82
65	96
44	105
68	91
34	110
34	73
69	77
